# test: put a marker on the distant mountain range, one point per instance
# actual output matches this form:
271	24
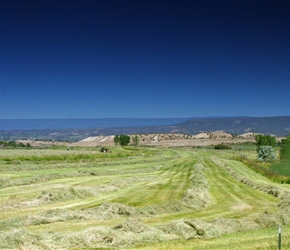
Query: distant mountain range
77	129
278	125
40	124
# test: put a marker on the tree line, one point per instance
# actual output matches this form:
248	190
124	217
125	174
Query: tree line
265	148
13	144
124	140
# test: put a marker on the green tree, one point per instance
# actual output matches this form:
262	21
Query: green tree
265	140
135	139
116	140
122	140
12	144
285	149
21	145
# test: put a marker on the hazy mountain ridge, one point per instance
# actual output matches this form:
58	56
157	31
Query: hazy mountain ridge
40	124
279	126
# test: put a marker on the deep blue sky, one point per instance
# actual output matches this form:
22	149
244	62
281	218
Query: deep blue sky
144	59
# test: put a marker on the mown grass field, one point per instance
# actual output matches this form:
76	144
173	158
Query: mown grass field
138	198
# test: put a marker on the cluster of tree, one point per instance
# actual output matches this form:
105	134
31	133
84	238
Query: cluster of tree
265	140
124	140
285	149
265	148
14	144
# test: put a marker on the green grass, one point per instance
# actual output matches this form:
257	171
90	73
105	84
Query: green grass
275	171
281	168
133	198
259	239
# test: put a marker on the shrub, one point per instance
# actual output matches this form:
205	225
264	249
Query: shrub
222	147
266	153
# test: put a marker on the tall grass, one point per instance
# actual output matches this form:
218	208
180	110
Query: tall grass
276	172
281	167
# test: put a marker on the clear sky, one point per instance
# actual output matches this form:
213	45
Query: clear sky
144	59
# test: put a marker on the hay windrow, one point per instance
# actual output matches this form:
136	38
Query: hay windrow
197	197
106	211
57	215
194	198
110	210
128	233
67	214
181	229
22	239
166	208
264	220
196	228
5	182
276	192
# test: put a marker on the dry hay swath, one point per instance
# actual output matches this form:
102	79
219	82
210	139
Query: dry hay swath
196	228
5	182
266	219
196	197
72	193
132	230
110	210
128	233
275	191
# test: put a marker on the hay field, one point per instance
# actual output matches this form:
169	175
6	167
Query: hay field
136	198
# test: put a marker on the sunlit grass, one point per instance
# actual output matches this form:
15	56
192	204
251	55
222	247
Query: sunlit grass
48	194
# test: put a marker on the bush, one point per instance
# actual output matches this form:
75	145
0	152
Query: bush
222	147
266	153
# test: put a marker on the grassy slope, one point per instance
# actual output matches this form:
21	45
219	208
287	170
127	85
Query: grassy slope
48	192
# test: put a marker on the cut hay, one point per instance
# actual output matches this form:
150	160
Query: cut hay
21	239
5	182
196	197
269	189
57	215
132	225
195	228
180	229
265	220
110	210
166	208
83	213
